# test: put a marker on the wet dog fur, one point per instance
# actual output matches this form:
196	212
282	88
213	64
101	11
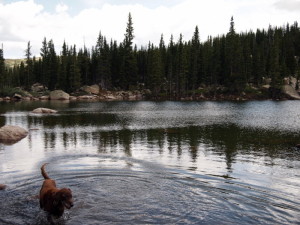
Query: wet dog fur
52	199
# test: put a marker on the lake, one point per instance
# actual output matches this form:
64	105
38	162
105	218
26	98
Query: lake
156	162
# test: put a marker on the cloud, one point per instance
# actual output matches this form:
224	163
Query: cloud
24	21
61	8
289	5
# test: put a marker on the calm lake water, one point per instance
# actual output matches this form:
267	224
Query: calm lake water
156	162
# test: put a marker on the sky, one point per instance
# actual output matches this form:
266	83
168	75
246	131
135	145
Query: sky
80	21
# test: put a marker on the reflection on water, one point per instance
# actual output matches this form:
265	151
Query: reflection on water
175	162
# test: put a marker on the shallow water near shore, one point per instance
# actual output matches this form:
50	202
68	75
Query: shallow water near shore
156	162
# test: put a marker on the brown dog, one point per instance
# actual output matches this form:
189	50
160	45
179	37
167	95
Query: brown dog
52	199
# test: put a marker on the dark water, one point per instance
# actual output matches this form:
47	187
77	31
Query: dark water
156	162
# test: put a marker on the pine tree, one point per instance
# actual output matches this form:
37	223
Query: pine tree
233	57
128	71
194	60
28	79
62	82
74	75
45	77
181	68
154	70
52	66
2	69
274	58
171	54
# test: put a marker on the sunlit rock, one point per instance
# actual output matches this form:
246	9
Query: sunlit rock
59	95
11	134
44	110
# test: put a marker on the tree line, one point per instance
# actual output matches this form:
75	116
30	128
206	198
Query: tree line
178	68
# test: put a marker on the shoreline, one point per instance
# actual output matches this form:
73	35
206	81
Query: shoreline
286	92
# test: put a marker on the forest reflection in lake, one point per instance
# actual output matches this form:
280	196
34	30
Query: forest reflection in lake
242	149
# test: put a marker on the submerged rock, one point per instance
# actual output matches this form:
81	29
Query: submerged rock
59	95
12	134
44	110
2	186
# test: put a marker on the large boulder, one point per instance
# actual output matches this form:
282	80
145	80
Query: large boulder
290	92
44	110
59	95
11	134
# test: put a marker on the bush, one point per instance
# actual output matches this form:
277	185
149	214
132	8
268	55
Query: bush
7	91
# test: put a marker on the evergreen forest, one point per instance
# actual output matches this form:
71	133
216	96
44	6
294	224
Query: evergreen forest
174	68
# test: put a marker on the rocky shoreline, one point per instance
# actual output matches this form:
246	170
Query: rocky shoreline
94	93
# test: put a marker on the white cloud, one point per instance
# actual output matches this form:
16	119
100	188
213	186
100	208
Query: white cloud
25	21
289	5
61	8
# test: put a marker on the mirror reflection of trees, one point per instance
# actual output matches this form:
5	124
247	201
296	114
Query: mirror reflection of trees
226	141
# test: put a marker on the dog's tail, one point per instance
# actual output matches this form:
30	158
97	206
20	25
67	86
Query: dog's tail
45	175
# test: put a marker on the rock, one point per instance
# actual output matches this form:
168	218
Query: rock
44	98
2	187
94	89
267	81
73	98
11	134
59	95
37	87
267	86
290	92
44	110
17	97
86	97
26	98
286	81
293	82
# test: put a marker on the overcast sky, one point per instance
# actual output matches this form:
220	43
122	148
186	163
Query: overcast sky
80	21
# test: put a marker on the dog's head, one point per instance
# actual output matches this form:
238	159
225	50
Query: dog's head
64	197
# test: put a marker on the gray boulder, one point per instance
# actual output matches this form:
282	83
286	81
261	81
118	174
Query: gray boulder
59	95
11	134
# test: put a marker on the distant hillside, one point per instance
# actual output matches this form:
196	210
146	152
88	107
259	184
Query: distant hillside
11	62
